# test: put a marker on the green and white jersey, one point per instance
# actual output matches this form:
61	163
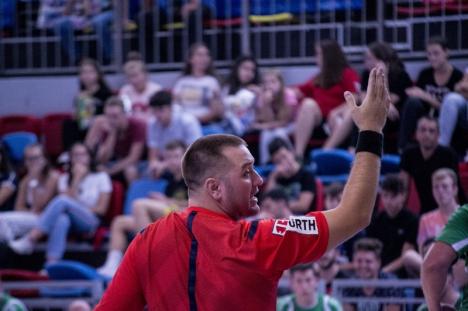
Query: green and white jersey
324	303
8	303
455	234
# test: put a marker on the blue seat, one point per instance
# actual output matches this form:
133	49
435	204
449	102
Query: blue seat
15	144
390	164
140	189
264	170
331	165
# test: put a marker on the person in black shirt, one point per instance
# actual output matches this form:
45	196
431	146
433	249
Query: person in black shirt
419	162
395	226
288	173
432	85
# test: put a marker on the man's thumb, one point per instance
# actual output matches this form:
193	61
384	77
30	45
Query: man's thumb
350	100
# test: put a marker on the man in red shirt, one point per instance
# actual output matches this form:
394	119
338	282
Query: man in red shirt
207	258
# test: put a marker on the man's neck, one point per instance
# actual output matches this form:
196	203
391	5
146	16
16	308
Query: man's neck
307	302
427	152
449	208
443	69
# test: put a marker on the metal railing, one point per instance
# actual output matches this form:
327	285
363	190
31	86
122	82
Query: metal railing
275	32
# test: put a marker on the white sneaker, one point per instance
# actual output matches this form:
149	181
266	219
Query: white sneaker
23	246
5	232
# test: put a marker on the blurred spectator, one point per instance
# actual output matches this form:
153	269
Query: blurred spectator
36	189
88	103
274	205
333	193
304	284
239	93
66	16
197	91
8	181
149	209
84	198
79	305
329	267
274	111
367	264
117	140
289	174
380	54
137	93
395	226
169	123
419	162
9	303
325	102
432	85
454	111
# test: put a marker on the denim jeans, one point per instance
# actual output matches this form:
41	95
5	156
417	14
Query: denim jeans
64	214
453	112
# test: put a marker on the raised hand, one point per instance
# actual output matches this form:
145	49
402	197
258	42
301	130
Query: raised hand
372	113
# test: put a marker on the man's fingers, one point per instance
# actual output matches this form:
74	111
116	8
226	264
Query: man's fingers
350	100
371	84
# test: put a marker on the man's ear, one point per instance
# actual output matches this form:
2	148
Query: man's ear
213	188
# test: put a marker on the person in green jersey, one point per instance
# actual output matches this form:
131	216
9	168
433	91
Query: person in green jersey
451	245
304	280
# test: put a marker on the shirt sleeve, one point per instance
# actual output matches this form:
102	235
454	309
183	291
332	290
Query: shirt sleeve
350	80
283	243
455	232
62	183
105	184
125	291
307	88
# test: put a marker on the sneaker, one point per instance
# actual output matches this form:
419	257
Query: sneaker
23	246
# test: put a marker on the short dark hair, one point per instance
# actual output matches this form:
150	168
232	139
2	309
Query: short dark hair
161	99
204	157
393	183
368	245
438	40
276	144
304	267
334	190
429	118
276	194
174	144
114	101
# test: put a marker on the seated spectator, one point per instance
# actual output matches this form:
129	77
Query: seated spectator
88	103
274	111
239	94
35	190
169	123
84	198
454	111
421	161
432	85
332	266
147	210
137	93
367	264
290	175
382	54
324	103
197	91
274	204
333	193
8	181
117	140
64	17
394	226
304	281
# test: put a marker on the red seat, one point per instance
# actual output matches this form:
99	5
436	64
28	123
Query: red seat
52	125
463	171
413	203
20	123
319	195
22	275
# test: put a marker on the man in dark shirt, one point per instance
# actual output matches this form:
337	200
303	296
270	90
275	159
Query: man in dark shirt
395	226
419	162
289	174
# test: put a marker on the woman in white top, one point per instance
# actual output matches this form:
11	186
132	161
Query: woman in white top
35	190
84	197
198	91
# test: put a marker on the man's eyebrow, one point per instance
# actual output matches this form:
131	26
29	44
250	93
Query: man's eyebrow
248	163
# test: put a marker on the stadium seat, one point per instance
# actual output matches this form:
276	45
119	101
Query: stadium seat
52	125
390	164
331	165
22	275
20	123
140	189
463	171
16	142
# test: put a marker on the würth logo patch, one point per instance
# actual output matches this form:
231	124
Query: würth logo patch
299	224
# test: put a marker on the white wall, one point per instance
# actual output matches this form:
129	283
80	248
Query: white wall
42	95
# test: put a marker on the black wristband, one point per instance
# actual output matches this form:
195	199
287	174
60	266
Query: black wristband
370	141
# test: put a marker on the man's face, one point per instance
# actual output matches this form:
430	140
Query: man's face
115	116
284	161
444	191
276	208
367	264
436	55
427	133
393	203
240	183
304	284
163	114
